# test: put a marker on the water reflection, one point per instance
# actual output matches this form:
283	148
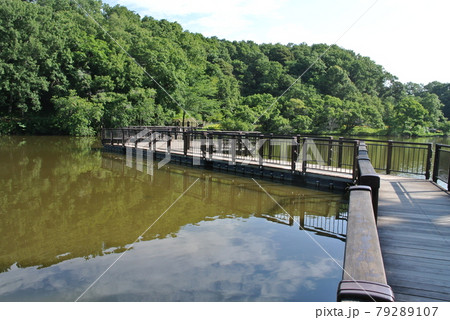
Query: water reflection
66	212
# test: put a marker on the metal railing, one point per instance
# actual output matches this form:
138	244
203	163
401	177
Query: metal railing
441	167
294	153
401	157
328	154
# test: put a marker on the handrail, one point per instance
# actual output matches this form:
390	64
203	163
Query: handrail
399	142
364	276
403	157
386	155
367	176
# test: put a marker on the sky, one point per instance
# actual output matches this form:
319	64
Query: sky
409	38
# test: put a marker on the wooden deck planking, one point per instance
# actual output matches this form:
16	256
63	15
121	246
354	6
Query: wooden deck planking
414	232
413	298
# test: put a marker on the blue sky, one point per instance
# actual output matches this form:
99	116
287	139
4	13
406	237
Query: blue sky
409	38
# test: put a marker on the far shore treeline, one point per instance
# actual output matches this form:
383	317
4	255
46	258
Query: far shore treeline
60	73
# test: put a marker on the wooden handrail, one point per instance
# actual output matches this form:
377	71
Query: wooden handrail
367	176
364	277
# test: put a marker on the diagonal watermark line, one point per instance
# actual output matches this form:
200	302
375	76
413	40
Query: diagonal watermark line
133	59
314	62
314	240
138	238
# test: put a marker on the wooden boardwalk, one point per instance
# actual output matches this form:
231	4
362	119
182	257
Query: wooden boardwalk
284	165
414	232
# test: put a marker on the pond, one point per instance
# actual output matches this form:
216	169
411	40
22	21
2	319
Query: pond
68	212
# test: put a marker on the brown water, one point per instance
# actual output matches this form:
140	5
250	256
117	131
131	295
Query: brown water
68	211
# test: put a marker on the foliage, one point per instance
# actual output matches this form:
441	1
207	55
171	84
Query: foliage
76	115
61	73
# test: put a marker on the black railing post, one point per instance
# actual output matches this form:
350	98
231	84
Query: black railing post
135	140
260	146
294	153
437	155
211	145
169	141
389	157
355	159
185	142
429	157
123	138
304	155
330	151
340	150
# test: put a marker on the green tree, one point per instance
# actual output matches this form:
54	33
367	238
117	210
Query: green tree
433	106
442	90
143	110
241	118
337	83
77	116
409	116
55	61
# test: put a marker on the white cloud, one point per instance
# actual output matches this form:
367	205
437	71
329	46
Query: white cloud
224	259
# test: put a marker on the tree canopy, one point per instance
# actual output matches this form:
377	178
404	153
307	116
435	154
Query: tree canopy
69	69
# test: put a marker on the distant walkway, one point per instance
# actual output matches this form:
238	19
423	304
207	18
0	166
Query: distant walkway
414	232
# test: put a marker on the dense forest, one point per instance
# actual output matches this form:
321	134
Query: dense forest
69	69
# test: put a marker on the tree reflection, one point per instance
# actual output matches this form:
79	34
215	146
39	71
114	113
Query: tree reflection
60	198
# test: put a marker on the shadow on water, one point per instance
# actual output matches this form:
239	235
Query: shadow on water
67	210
